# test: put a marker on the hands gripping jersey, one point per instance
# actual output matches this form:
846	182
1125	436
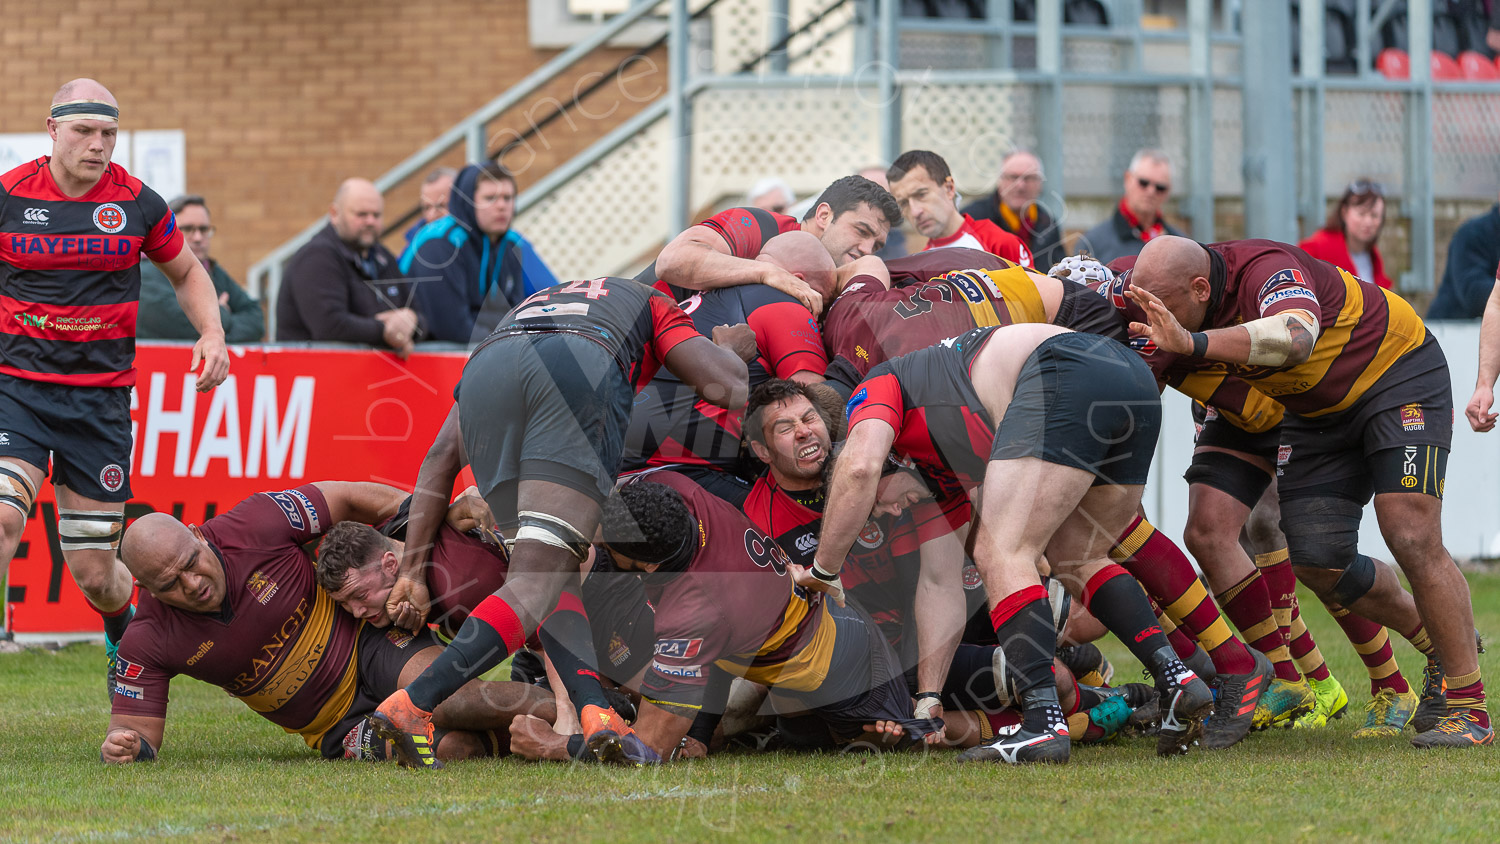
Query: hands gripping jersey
70	279
734	605
638	326
462	570
670	424
279	643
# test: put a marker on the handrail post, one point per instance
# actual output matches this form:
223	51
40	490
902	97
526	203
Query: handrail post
679	52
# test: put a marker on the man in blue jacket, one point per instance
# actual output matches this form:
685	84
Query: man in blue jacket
471	260
1473	255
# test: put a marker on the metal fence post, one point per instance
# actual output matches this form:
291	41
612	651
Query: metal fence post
1049	118
1310	123
680	52
890	95
1201	120
1417	203
1270	180
778	27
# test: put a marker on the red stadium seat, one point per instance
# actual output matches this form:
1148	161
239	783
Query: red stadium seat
1393	64
1476	67
1444	68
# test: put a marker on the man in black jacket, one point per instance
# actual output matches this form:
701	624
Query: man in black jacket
343	285
1013	206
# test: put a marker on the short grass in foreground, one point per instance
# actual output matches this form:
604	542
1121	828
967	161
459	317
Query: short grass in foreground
228	775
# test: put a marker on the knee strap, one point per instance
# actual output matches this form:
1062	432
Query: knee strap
89	530
1321	531
15	488
1355	582
550	530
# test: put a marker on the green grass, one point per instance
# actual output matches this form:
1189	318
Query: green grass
227	775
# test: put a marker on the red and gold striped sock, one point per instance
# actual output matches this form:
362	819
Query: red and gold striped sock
1420	640
1305	651
1373	644
1467	693
1167	576
1248	606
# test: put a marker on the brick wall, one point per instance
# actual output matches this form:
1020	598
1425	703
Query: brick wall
280	100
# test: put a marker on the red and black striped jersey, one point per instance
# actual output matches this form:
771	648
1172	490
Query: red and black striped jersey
941	426
868	325
670	424
70	279
734	606
634	323
745	231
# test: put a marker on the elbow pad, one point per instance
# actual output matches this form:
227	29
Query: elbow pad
1271	337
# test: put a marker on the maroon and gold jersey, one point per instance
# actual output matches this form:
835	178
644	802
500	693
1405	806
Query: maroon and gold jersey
1363	331
883	564
637	325
941	426
868	325
926	266
70	278
735	606
278	643
462	570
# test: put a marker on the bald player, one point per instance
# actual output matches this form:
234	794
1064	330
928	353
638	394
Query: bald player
1369	411
75	227
234	602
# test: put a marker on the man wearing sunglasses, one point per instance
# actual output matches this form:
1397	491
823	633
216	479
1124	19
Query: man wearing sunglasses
1138	218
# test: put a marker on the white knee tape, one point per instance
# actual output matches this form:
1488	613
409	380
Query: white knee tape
86	530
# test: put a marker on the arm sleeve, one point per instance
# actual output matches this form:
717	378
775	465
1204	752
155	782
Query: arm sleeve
141	684
163	239
746	230
878	397
290	517
670	326
323	299
788	338
1283	289
244	322
678	675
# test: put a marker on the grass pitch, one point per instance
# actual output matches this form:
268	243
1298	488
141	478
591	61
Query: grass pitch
228	775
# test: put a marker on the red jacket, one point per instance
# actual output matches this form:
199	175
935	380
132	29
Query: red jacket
1326	245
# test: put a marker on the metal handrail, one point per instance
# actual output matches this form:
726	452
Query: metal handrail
264	277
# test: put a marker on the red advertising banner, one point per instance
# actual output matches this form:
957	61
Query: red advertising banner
284	417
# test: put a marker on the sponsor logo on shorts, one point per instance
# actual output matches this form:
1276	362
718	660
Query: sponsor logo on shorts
678	670
109	217
112	477
1283	454
806	542
262	587
679	648
872	536
618	650
1210	413
1412	419
127	670
202	649
132	692
1408	463
36	216
398	637
972	580
1287	293
4	439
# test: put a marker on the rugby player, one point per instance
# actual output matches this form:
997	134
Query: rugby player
851	219
235	603
692	550
1062	474
540	415
923	187
671	426
891	572
75	226
1368	412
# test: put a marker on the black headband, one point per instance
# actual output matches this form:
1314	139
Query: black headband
85	110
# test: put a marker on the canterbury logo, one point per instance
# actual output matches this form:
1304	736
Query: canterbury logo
36	215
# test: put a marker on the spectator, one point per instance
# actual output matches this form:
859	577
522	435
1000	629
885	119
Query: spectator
895	241
432	198
472	259
161	318
1013	206
771	194
343	285
1492	36
923	186
1473	255
1347	239
1148	181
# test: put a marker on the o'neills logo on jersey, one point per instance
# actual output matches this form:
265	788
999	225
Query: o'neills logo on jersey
262	587
872	536
202	649
109	217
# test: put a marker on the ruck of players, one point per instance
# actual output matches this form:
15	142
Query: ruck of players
777	492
